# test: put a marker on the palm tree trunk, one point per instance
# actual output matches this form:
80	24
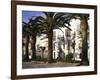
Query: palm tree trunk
34	47
50	47
74	50
27	51
84	28
68	46
74	46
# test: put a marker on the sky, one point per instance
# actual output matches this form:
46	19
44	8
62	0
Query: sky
26	15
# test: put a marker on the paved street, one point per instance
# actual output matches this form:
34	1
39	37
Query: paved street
38	64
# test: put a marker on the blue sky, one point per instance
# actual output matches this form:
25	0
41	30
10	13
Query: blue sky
26	15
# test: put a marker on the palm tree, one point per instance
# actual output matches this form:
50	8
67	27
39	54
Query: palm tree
31	29
52	21
84	35
26	34
84	32
35	30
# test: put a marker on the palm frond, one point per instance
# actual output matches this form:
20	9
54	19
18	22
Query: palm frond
58	16
68	27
